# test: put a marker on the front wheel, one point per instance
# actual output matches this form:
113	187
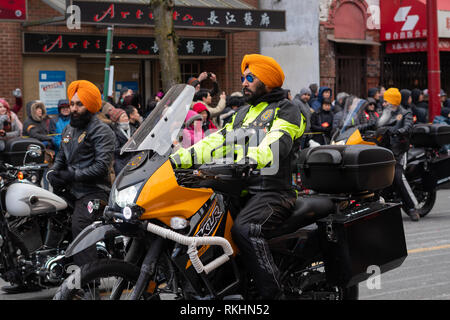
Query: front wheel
101	280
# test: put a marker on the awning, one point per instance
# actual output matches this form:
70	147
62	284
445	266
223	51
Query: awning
354	41
403	20
196	14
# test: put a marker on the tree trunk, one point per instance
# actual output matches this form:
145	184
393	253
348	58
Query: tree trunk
167	42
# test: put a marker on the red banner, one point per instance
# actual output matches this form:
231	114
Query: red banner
403	20
13	10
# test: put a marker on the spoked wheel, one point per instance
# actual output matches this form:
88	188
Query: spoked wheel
426	201
101	280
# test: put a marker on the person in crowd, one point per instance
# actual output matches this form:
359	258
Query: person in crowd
314	92
203	97
322	121
17	93
82	165
375	93
233	103
443	118
10	125
445	103
420	108
151	103
58	124
193	129
339	103
197	82
124	92
325	93
369	117
271	197
380	102
37	125
134	117
396	138
301	100
104	113
123	132
208	125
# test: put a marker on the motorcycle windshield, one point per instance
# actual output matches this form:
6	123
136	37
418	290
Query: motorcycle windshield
351	117
162	127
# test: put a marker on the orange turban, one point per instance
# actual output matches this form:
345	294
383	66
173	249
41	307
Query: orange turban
88	94
264	68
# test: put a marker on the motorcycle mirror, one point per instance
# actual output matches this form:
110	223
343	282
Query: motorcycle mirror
34	150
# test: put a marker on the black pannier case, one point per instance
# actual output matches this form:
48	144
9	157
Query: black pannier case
15	150
359	244
430	135
353	169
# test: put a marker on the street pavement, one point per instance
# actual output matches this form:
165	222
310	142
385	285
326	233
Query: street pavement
424	275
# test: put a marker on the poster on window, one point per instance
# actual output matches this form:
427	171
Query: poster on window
13	10
52	88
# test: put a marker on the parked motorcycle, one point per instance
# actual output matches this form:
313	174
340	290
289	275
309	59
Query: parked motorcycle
25	156
179	223
425	169
35	230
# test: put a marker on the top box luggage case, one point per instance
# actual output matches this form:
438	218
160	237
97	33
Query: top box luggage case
430	135
16	150
351	169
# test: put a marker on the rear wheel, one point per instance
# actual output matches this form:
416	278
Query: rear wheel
426	201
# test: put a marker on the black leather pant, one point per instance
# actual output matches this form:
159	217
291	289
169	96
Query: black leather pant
263	212
402	187
81	218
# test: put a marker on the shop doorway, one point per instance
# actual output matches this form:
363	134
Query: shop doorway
351	69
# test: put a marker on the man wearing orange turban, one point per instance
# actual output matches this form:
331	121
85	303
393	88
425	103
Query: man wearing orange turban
399	122
280	125
82	164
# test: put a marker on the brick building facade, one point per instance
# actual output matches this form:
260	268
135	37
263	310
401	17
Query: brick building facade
350	53
20	69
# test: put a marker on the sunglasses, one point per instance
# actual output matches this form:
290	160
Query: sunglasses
250	78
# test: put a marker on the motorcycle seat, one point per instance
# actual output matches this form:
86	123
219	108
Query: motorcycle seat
414	153
307	211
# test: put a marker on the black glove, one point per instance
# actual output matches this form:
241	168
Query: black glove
55	180
67	175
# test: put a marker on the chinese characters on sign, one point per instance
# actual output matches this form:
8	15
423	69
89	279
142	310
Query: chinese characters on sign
414	46
187	17
91	44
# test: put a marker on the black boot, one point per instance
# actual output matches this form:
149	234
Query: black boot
413	215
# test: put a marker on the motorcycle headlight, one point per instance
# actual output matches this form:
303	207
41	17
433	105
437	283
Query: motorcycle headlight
127	196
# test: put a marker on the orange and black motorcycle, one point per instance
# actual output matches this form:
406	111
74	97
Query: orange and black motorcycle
178	223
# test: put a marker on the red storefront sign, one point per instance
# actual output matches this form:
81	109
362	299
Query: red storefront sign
13	10
403	20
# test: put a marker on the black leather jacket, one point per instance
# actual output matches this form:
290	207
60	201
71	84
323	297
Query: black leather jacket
400	124
88	153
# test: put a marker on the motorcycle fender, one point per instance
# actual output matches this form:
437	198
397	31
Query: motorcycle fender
90	236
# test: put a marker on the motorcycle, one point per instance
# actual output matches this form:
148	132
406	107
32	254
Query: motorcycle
35	230
26	157
425	168
179	223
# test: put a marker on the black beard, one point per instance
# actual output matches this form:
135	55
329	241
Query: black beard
251	97
82	120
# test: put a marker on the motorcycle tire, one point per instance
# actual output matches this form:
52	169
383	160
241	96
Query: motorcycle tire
426	199
87	284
